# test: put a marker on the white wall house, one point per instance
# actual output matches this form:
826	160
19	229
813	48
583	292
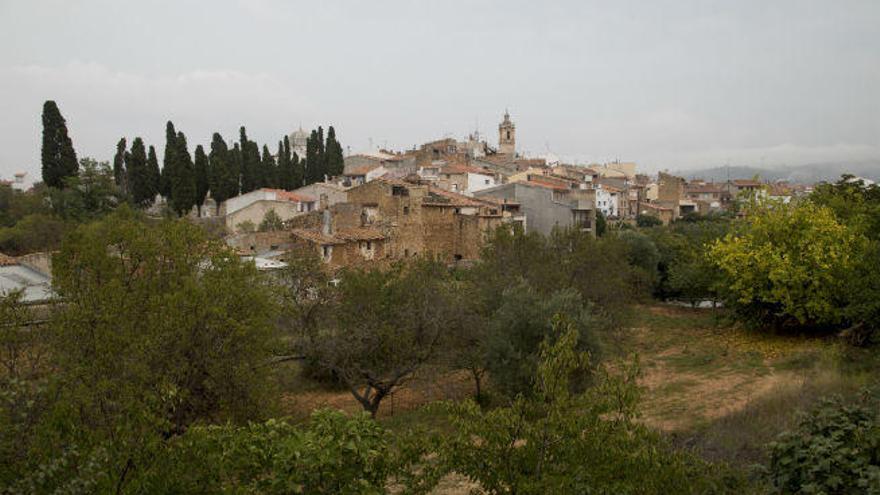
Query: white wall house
479	181
608	201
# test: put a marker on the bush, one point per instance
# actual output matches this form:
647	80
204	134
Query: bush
648	221
835	450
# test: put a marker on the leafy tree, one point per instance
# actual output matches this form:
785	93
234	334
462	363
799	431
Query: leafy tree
329	454
139	174
58	157
201	176
855	204
834	449
271	222
790	264
90	194
120	176
647	221
161	328
34	232
601	223
183	178
386	325
554	440
518	327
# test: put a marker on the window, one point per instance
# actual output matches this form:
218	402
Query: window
486	182
508	135
406	210
406	253
326	252
454	187
399	191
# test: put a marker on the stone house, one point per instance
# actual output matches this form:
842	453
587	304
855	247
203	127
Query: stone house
253	206
547	203
326	193
402	219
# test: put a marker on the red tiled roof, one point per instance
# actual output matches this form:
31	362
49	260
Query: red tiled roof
283	195
339	237
359	234
315	236
747	183
463	169
702	188
547	184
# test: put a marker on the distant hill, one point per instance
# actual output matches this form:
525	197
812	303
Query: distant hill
811	173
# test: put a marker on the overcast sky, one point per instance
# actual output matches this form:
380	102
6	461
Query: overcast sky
668	84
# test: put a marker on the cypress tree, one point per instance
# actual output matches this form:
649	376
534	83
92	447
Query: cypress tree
168	160
57	155
269	169
235	162
222	178
154	174
183	179
284	176
251	176
201	170
334	160
299	171
138	175
119	173
313	165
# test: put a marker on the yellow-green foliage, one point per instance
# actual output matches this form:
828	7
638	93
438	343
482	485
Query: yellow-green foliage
794	258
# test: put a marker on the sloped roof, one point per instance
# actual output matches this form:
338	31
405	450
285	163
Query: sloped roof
6	260
284	195
341	236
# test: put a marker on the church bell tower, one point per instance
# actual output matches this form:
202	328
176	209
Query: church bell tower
507	136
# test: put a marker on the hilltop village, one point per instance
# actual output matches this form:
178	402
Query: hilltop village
445	197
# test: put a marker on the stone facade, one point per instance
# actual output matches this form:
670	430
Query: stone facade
507	136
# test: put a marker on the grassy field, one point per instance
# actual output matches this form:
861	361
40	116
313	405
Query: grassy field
707	383
726	391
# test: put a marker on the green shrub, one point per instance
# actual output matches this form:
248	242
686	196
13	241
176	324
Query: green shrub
834	450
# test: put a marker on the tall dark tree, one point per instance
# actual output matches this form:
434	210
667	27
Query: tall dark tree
299	170
183	178
168	161
251	172
285	171
119	174
222	176
314	166
333	158
138	174
236	162
201	170
269	170
58	157
155	174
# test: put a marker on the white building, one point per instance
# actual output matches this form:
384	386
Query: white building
608	200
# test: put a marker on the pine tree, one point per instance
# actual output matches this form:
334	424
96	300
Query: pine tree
269	170
154	174
57	155
183	180
138	174
201	170
334	160
168	160
119	173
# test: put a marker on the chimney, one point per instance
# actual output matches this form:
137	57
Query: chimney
326	227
